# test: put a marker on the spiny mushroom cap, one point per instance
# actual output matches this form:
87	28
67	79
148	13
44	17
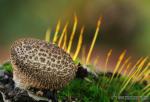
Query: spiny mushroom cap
41	65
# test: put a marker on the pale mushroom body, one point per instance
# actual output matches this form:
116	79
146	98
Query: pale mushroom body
41	65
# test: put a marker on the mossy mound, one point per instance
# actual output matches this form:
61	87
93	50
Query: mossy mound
91	89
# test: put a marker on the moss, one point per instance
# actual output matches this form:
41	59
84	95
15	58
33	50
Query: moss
95	90
98	91
7	67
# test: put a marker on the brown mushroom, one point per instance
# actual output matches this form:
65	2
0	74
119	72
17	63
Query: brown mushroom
35	64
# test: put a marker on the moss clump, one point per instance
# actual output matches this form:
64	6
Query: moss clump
98	89
7	67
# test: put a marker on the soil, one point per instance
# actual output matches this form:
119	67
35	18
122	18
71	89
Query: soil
8	93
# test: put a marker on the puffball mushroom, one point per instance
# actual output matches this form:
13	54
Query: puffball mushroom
42	65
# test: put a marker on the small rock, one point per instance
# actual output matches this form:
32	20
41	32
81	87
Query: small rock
2	73
8	74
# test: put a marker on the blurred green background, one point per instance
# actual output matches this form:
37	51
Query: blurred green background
125	24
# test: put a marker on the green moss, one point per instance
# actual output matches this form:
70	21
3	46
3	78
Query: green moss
7	67
95	90
98	91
